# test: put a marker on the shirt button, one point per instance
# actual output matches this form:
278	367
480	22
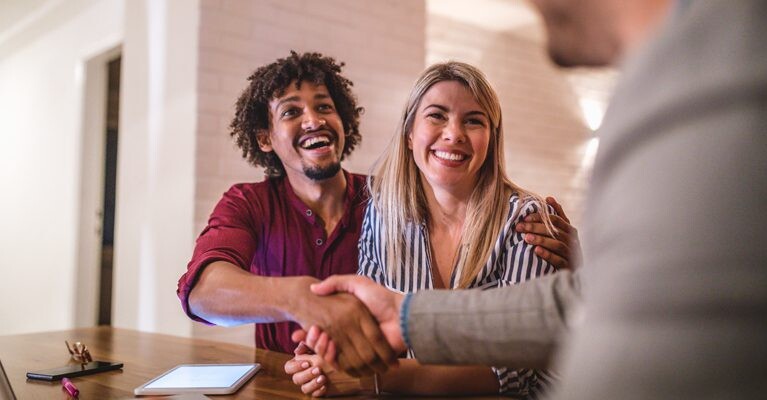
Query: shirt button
308	213
319	242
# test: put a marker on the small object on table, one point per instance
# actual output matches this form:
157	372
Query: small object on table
70	387
79	352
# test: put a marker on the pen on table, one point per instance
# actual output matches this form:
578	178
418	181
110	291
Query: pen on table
70	387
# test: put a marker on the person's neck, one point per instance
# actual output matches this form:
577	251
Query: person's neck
447	208
325	198
638	21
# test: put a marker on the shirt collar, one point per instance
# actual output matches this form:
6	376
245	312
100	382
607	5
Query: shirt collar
306	212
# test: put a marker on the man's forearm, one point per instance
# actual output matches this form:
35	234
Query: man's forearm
226	295
518	326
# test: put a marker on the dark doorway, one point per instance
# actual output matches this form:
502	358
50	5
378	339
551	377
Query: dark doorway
110	186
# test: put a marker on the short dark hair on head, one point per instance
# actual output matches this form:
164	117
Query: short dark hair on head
271	81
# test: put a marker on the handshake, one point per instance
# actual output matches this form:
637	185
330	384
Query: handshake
363	349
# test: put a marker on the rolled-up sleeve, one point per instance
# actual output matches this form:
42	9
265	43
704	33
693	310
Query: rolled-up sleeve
230	236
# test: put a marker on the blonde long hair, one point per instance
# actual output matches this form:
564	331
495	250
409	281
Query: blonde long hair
398	194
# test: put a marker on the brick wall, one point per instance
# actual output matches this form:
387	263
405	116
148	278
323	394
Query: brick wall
382	44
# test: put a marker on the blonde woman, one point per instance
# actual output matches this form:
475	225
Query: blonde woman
442	215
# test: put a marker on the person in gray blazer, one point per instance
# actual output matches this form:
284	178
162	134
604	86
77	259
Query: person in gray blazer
674	280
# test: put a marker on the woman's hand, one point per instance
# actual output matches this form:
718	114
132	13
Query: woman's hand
307	372
318	378
318	342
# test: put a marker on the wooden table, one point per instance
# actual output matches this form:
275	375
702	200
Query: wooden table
145	356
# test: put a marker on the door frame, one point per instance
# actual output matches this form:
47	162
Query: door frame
92	154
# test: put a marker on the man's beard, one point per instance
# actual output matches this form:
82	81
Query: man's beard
317	173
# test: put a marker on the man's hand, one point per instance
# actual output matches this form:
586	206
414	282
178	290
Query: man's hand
564	249
362	348
382	303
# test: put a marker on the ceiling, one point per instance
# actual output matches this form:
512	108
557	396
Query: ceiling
13	12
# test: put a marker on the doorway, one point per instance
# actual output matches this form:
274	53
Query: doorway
110	186
98	183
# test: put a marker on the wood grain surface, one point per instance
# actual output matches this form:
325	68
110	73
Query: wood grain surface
145	356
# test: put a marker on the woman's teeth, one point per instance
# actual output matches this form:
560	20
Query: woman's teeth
449	156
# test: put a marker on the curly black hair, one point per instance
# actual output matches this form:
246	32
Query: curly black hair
271	81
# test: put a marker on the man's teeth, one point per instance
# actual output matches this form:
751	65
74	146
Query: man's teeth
449	156
315	140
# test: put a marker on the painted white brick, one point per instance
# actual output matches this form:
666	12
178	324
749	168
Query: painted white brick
207	124
226	22
207	82
210	4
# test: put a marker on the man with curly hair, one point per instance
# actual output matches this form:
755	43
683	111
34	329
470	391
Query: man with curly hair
266	242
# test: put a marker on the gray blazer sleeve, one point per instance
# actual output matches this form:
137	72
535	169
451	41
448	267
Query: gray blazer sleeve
517	326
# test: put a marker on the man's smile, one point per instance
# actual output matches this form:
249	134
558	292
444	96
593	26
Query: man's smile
315	141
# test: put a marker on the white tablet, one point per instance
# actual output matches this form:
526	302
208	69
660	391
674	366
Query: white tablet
200	378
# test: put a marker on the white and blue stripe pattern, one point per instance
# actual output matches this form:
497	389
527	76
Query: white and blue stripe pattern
511	261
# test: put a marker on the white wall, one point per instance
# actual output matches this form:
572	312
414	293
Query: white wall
156	153
41	78
42	121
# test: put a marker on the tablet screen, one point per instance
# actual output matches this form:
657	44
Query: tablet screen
202	377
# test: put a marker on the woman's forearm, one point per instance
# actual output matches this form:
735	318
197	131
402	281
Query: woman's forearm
416	379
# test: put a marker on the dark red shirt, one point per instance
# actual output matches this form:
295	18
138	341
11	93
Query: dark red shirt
266	229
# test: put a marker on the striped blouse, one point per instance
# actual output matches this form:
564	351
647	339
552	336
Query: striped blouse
511	261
